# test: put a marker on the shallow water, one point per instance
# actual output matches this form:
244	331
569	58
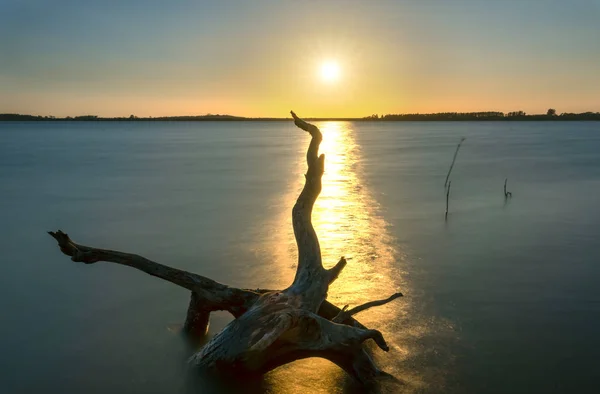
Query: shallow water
501	297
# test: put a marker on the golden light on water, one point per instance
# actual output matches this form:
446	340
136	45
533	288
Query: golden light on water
348	224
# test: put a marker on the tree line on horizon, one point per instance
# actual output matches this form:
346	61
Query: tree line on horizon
488	115
441	116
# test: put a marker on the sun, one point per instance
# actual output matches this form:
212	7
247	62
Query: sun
330	71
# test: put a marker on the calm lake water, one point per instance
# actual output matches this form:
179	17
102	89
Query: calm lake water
502	297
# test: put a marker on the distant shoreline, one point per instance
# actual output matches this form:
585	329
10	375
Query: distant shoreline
439	117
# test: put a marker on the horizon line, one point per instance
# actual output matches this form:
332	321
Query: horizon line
478	115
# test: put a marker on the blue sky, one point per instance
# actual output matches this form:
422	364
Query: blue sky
259	58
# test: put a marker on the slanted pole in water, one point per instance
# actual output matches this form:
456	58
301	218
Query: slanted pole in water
447	197
453	160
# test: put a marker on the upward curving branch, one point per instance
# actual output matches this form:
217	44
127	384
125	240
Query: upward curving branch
312	281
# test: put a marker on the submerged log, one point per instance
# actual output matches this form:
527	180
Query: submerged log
271	327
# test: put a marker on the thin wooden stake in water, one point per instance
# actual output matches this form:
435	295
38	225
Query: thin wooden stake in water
453	160
447	198
506	194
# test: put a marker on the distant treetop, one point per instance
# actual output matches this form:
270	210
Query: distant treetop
442	116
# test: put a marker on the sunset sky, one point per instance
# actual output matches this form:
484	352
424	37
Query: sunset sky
263	58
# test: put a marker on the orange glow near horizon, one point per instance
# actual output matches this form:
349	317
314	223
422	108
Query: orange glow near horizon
398	57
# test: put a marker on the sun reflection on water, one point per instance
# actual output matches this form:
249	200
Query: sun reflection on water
348	224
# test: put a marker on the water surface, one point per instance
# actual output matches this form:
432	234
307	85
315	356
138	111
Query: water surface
501	297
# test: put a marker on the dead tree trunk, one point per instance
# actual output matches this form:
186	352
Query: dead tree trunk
271	328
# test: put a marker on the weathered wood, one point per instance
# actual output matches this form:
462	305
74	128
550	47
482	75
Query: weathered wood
197	318
214	295
310	285
335	271
273	334
220	297
271	328
345	313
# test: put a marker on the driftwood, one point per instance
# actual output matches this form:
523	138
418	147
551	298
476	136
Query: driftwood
271	328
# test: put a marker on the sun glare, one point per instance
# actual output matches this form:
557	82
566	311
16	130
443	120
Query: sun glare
330	71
